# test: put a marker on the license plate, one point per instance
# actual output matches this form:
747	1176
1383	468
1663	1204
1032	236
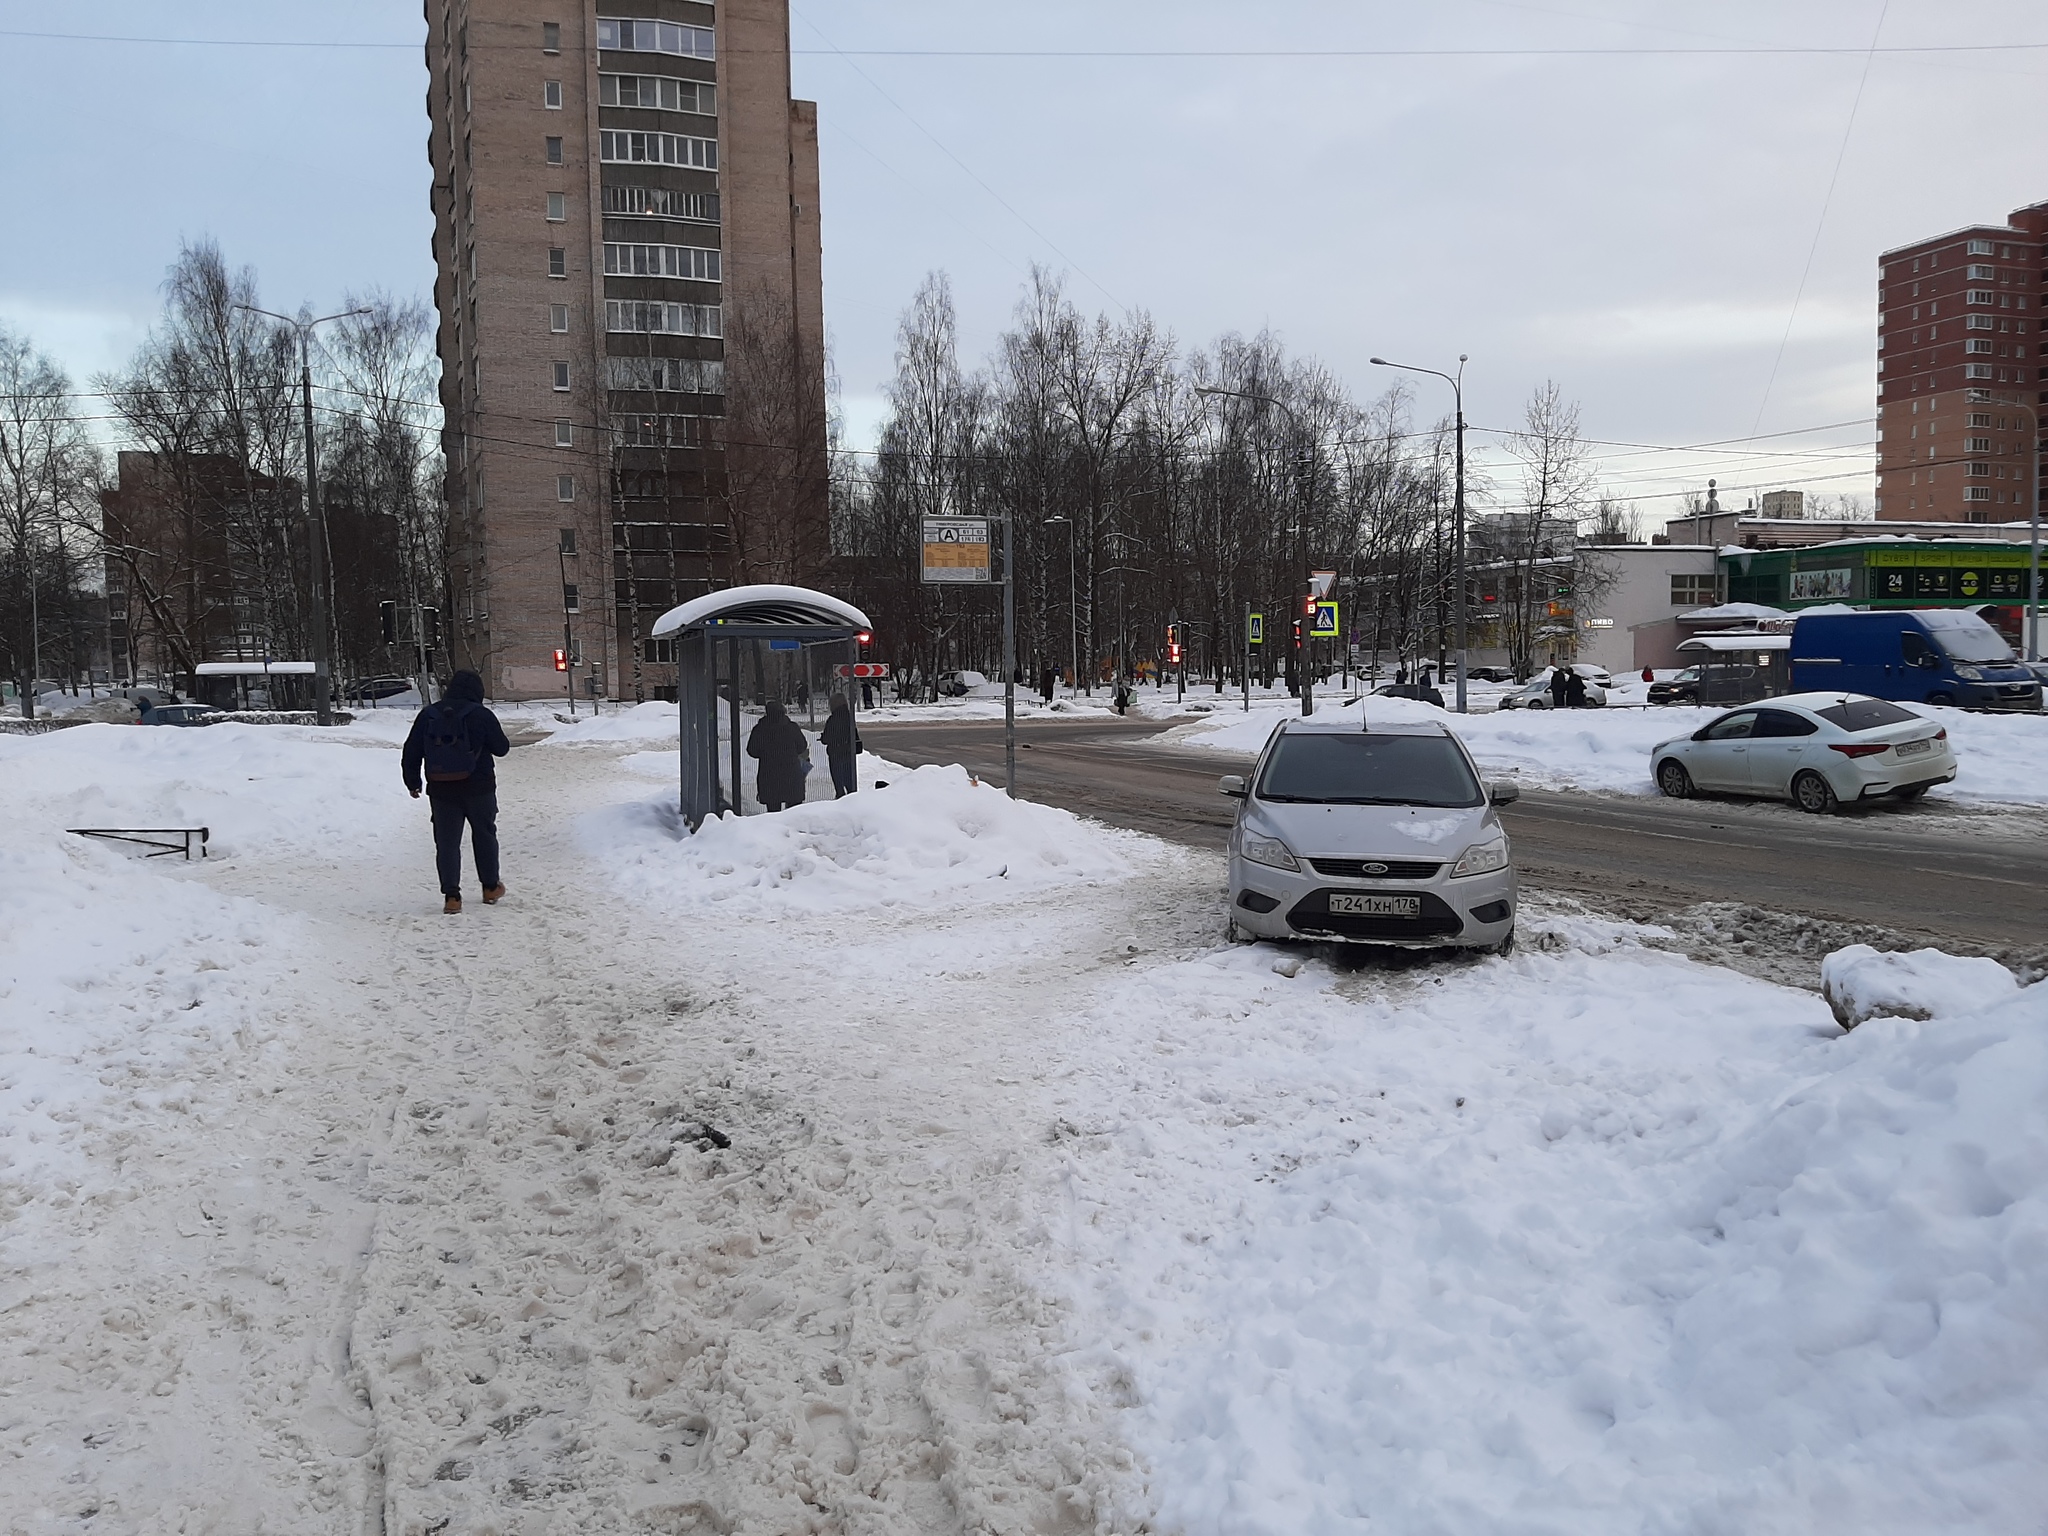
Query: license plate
1914	748
1375	906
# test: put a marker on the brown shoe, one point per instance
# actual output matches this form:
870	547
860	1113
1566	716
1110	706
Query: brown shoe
494	893
451	905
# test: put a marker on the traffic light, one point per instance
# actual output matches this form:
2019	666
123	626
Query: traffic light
430	627
1173	644
387	622
561	659
865	639
1308	606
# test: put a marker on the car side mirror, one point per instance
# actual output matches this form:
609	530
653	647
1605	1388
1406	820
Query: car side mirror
1501	792
1701	733
1931	663
1232	784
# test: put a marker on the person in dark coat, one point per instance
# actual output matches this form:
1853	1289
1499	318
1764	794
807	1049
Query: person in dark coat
1560	688
1574	691
842	748
778	745
451	745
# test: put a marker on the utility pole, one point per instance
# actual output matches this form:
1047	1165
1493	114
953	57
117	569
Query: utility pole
1457	384
316	540
1009	655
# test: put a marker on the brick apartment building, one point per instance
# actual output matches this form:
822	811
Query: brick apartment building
1961	342
631	324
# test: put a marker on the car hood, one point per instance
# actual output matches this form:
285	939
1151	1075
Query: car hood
1372	831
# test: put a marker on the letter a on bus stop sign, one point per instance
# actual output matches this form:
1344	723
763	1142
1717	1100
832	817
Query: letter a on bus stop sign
1325	625
956	549
1255	629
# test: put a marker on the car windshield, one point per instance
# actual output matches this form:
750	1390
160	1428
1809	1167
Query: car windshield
1965	637
1318	768
1865	714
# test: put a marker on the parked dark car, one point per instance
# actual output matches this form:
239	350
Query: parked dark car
178	714
1417	691
1685	687
368	688
1489	675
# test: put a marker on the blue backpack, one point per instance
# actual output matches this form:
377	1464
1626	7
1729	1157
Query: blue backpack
450	756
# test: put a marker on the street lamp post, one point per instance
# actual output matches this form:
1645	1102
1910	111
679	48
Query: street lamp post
1295	615
2034	517
316	536
1457	384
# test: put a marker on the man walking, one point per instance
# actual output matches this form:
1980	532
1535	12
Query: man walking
454	741
842	748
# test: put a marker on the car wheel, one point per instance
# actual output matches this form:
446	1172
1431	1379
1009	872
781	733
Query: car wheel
1814	795
1674	780
1941	698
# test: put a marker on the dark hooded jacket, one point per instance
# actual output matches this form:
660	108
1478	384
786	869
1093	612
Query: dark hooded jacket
842	741
777	743
486	735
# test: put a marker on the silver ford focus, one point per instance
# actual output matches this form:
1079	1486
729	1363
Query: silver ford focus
1385	835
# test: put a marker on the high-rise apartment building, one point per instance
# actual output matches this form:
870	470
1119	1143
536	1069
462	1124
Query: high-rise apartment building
632	325
1962	342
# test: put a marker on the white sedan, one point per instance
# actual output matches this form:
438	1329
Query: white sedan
1818	750
1535	694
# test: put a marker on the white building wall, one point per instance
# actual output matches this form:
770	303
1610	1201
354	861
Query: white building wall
1625	610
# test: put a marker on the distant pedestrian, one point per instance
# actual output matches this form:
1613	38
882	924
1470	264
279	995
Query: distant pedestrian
1122	697
867	694
1574	690
842	748
1560	687
1649	674
452	742
803	694
779	747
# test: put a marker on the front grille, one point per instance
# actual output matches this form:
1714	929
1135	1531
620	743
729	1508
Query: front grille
1376	869
1435	920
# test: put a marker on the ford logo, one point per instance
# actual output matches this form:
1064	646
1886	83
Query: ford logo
1372	869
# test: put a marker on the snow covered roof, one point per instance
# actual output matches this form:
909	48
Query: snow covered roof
254	668
1742	642
1732	611
765	604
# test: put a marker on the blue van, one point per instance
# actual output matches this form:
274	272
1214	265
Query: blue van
1916	655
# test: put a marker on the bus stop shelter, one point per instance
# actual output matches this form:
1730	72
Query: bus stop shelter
1739	667
714	636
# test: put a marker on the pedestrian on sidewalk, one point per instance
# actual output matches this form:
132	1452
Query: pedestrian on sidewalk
1560	687
842	748
778	745
452	742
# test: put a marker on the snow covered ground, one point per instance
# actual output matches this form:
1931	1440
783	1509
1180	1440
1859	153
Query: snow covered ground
1999	757
922	1162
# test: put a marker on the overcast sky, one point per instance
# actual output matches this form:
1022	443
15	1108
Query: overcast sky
1636	225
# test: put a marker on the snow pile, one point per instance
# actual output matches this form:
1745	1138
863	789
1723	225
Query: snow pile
267	790
1863	983
121	986
653	721
1608	1244
933	837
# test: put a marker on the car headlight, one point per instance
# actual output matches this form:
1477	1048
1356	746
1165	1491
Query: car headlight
1969	674
1269	851
1482	858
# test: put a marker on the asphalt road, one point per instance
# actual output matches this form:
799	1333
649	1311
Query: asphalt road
1915	870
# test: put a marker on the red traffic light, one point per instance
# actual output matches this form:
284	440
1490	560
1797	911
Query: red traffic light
1308	606
561	659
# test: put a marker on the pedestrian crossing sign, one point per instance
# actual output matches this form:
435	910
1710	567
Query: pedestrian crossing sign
1324	626
1255	629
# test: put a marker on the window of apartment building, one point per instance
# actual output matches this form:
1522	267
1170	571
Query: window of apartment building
551	37
1981	275
562	377
1687	591
554	149
1978	471
1979	248
558	318
1980	323
685	374
558	261
565	540
1978	296
558	207
662	203
469	261
655	37
565	433
662	91
551	95
1979	419
688	261
569	604
1976	493
1977	344
1977	445
657	431
620	147
565	487
635	315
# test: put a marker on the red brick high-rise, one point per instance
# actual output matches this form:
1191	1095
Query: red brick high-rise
632	324
1961	340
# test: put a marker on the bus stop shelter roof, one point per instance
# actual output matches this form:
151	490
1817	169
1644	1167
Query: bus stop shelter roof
760	607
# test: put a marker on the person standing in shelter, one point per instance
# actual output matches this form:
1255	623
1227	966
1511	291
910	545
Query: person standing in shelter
778	745
451	744
1560	687
842	748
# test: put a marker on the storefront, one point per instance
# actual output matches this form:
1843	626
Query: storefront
1884	573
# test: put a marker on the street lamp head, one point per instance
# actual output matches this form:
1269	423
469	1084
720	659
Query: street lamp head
1463	358
1379	362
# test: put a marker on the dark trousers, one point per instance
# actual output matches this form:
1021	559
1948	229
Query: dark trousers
844	780
453	810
